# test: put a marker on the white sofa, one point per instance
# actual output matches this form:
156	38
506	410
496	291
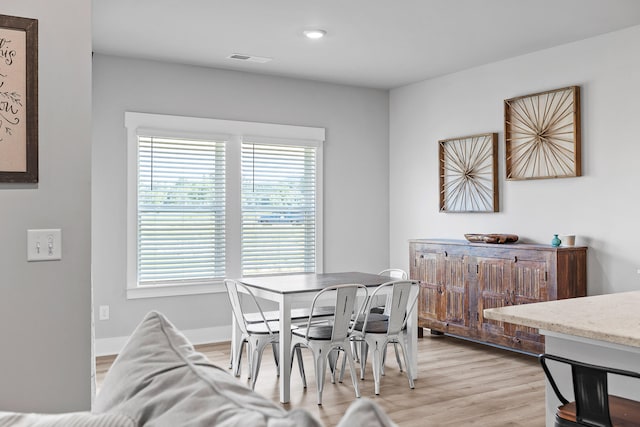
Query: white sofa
159	380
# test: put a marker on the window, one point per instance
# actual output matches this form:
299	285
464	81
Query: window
181	210
278	209
209	199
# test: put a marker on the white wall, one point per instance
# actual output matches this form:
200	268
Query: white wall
45	335
602	207
356	171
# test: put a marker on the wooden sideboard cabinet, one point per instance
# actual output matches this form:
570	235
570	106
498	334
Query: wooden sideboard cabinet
458	280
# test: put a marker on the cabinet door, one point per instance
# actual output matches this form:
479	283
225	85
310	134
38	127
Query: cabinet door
425	269
455	301
494	284
443	304
529	280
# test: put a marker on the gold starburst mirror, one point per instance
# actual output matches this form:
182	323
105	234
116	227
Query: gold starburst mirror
542	135
468	174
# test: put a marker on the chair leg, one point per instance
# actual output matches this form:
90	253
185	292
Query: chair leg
239	359
364	352
354	350
239	345
352	369
256	359
403	345
395	347
344	365
301	366
249	360
384	360
377	365
320	366
333	362
276	357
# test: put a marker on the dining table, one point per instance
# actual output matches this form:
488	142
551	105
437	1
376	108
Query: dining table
289	290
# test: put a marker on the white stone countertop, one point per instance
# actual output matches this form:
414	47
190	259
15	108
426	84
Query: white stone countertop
613	318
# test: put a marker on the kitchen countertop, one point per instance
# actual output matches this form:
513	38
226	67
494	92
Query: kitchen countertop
613	318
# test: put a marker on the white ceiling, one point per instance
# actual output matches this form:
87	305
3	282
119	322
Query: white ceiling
373	43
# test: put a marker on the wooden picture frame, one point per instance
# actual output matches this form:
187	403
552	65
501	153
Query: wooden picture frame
469	173
542	135
18	99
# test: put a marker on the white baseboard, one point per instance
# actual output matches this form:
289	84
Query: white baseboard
111	346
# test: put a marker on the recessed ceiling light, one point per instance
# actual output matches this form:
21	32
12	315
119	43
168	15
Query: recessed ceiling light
315	34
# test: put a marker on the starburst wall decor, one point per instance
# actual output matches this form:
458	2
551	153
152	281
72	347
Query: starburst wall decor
542	135
468	174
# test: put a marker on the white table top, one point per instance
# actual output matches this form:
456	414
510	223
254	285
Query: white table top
613	318
311	282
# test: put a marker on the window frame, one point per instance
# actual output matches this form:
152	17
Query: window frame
233	132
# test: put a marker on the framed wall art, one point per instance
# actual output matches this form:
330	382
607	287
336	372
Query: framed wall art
18	99
468	173
542	135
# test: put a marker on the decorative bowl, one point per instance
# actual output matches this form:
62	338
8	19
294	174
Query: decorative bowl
491	238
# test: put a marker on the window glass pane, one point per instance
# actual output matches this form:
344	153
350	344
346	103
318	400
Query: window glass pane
278	209
181	210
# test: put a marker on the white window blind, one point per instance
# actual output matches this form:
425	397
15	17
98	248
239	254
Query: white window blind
181	210
278	208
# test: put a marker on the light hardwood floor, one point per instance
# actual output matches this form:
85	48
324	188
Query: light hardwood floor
460	384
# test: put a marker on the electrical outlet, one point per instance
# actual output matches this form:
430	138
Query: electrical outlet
44	245
104	312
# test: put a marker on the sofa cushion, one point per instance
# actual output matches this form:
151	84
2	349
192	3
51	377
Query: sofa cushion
364	412
159	379
74	419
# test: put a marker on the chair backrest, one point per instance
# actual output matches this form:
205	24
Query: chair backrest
590	388
346	297
236	305
396	273
400	303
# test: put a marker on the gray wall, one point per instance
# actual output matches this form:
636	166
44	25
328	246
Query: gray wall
356	168
45	355
601	207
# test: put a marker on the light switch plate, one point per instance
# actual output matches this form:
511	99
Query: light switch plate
103	312
44	245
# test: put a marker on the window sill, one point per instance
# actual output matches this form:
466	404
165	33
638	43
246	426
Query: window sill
158	291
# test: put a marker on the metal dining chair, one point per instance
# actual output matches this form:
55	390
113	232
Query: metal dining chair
324	340
399	274
256	335
396	273
593	405
375	333
298	316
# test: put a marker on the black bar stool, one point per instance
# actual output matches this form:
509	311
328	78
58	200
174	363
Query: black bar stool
593	405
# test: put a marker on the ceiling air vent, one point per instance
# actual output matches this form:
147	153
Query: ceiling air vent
248	58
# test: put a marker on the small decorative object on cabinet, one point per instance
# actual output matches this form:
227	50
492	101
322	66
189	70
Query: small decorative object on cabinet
542	135
555	242
469	174
568	240
458	280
